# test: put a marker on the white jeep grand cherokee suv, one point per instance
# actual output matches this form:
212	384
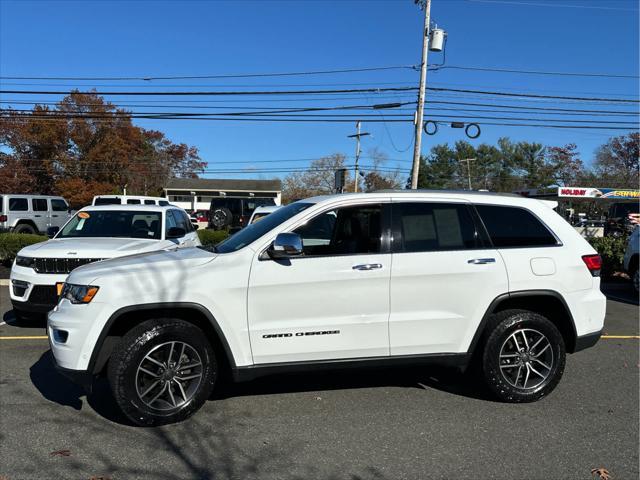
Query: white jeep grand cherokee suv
361	279
92	234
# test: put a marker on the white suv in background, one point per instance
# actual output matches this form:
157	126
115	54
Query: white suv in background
92	234
388	278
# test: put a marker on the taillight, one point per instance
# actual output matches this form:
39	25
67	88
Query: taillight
593	263
3	218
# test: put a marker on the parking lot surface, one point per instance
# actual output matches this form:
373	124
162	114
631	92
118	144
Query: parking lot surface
389	424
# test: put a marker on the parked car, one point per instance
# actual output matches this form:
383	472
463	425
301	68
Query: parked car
631	258
129	200
32	213
260	212
376	279
93	234
233	212
618	223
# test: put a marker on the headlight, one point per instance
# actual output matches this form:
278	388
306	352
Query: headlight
78	293
28	262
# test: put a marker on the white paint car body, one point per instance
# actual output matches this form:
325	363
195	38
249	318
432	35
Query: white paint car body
243	293
53	258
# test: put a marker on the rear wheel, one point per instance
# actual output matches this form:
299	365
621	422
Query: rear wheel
524	356
162	372
635	277
24	228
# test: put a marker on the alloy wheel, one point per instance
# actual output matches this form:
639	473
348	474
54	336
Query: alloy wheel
168	376
526	359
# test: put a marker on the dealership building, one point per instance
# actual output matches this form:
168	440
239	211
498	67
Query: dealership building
196	193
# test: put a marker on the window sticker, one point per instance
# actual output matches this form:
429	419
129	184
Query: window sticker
84	215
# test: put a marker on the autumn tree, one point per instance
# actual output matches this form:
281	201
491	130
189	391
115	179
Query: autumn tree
86	146
317	179
616	162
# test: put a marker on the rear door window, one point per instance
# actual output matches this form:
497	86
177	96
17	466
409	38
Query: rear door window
429	227
513	227
18	205
39	204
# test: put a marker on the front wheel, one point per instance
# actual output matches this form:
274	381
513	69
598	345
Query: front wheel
524	356
162	372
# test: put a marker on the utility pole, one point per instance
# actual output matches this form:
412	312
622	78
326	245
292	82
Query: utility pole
357	137
468	160
417	147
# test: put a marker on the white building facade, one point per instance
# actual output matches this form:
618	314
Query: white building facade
197	193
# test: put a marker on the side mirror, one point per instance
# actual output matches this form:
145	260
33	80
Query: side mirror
52	231
286	245
175	232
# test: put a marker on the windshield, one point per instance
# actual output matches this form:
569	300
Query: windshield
114	223
254	231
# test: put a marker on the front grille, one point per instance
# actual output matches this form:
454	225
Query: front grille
44	295
61	265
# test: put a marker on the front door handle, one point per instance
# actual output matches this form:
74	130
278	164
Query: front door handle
481	261
367	266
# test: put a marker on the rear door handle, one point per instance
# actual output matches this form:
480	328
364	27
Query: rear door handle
367	266
481	261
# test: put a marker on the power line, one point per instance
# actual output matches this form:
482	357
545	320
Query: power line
532	72
246	75
319	92
277	114
217	92
529	95
520	108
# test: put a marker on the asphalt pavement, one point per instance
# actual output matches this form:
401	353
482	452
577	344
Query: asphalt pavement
382	424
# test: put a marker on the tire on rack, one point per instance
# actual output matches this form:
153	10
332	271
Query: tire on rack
24	228
524	356
221	218
162	371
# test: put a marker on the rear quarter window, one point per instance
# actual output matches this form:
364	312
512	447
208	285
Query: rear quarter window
512	227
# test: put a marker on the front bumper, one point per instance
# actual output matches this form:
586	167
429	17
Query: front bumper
33	292
83	378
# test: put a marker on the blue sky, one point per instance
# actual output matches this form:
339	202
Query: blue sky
155	38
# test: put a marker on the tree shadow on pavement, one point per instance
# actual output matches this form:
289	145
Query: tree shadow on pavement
449	380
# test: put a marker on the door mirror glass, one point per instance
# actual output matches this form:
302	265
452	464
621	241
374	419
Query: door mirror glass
175	232
52	231
286	245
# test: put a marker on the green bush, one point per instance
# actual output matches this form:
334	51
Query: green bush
12	243
612	252
212	237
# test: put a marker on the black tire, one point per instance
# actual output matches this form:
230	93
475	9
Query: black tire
221	218
154	338
635	279
25	228
504	370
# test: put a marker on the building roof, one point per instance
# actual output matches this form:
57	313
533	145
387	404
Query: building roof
223	184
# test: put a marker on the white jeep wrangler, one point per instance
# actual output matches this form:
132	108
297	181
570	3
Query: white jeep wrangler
361	279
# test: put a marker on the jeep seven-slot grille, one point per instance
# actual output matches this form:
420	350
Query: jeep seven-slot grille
61	265
44	295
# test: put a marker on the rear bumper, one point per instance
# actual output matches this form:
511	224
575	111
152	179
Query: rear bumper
586	341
